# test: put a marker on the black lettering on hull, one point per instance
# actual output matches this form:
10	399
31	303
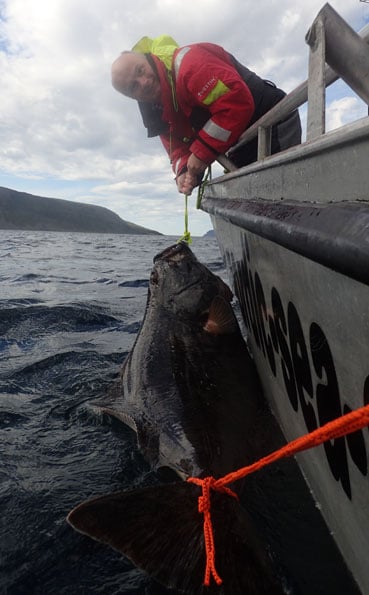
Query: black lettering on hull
305	363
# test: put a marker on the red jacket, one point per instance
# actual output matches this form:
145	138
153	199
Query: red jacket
205	77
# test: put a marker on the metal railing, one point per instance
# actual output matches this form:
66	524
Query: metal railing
336	51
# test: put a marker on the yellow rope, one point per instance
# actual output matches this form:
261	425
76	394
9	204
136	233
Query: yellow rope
186	236
200	192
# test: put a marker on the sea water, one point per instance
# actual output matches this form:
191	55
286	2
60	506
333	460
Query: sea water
70	307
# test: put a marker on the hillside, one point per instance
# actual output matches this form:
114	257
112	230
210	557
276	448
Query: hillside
19	210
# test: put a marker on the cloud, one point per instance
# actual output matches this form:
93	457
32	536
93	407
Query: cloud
65	131
345	110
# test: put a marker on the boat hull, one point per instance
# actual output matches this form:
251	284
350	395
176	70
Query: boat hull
300	272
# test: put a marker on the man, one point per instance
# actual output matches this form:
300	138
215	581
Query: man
198	99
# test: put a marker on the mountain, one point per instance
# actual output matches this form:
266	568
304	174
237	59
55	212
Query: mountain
209	234
19	210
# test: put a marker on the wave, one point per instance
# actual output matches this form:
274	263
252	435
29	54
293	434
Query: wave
11	303
26	277
63	369
8	419
216	265
135	283
41	318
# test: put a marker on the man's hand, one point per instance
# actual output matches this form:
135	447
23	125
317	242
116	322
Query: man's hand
195	166
187	181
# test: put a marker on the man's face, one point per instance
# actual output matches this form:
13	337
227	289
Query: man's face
133	76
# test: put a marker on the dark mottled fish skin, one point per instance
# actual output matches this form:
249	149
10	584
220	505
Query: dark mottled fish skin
190	390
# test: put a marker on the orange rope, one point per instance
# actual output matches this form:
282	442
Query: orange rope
346	424
204	507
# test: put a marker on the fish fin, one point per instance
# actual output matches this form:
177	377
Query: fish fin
160	530
147	438
221	319
114	405
127	419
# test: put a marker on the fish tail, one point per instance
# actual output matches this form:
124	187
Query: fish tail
160	530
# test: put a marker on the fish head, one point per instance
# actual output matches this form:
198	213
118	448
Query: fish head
182	285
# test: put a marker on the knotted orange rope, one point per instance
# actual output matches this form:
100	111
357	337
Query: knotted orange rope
207	484
342	426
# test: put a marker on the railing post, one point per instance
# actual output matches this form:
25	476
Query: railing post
346	52
264	141
316	80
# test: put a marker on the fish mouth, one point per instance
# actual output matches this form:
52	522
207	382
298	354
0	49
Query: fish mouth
174	253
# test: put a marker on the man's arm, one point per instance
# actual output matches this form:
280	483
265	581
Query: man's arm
211	81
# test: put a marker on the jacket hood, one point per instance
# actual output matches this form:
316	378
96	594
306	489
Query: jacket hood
162	47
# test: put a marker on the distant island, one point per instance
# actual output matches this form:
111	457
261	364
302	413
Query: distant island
23	211
209	234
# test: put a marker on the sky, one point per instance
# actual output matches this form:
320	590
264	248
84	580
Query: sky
66	133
